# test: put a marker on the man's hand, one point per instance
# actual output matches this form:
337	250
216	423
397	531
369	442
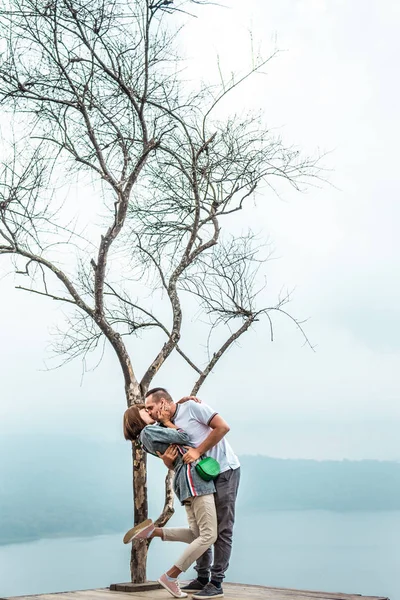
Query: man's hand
169	456
186	398
191	455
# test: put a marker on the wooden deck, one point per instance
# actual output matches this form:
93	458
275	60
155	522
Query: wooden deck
232	591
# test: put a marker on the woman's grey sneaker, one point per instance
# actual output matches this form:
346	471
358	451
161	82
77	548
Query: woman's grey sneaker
209	591
193	586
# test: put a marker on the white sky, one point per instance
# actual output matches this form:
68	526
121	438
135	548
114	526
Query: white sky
333	88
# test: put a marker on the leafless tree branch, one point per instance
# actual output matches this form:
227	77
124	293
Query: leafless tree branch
98	88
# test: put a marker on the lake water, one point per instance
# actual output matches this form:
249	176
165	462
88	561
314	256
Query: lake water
355	552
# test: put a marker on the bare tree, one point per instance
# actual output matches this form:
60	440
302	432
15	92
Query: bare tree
94	90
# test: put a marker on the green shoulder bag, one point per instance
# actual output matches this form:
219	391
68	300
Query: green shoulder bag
208	468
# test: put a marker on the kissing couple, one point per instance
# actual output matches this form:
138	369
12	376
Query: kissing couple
190	437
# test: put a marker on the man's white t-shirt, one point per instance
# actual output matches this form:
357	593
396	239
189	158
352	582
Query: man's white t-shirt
194	418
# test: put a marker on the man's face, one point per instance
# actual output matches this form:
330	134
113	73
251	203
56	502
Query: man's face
153	406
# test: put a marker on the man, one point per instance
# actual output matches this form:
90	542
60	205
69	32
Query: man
207	431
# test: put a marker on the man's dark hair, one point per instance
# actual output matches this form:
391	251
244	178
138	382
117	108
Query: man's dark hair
159	393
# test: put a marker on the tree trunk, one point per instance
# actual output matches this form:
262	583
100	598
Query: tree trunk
134	395
139	547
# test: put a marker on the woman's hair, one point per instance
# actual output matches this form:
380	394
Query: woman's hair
133	422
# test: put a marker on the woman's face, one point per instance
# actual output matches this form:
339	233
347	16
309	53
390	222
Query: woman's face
146	417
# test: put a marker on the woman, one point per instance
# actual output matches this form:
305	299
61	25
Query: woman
193	492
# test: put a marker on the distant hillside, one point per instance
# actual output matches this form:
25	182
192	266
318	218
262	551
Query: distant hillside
72	487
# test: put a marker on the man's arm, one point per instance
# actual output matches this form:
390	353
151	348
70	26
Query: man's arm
219	429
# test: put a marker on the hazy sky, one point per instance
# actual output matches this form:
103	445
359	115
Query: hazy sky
333	87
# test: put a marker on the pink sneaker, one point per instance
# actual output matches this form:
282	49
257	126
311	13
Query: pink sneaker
141	531
172	586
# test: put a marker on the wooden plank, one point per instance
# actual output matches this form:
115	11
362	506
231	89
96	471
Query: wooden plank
123	596
234	593
110	595
250	588
54	596
279	594
158	593
101	594
265	594
119	595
